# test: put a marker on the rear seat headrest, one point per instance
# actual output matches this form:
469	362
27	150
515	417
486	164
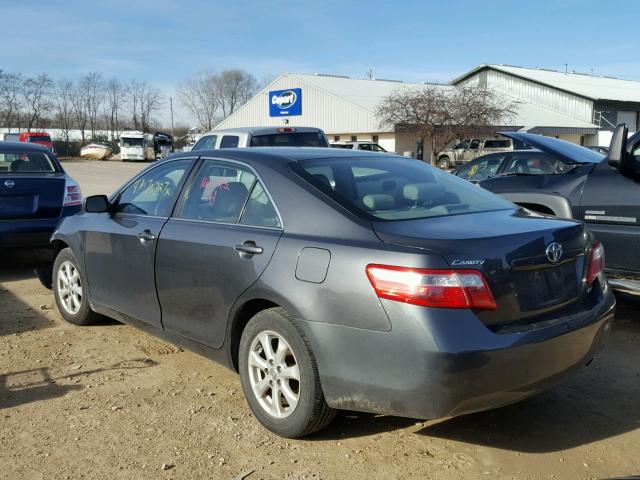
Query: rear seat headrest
421	192
378	201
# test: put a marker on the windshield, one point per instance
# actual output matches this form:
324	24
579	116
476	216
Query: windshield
26	162
130	142
391	188
297	139
40	138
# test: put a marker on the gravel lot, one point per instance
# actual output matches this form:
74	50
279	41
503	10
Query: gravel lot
111	402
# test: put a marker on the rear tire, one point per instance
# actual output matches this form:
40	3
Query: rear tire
70	292
284	371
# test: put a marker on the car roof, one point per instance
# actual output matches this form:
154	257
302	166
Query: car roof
282	155
17	147
261	130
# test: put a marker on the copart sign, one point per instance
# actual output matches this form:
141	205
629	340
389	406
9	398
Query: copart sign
285	103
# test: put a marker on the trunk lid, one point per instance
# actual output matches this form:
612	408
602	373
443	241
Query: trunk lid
510	248
31	196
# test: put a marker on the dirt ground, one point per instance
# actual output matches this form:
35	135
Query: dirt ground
111	402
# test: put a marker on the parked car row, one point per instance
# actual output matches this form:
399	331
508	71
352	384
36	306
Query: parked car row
346	279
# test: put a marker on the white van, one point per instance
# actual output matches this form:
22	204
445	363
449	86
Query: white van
136	146
262	137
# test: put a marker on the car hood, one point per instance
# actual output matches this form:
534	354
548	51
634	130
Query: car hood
567	151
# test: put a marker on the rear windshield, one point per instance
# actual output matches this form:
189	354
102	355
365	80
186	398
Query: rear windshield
26	162
295	139
391	188
41	138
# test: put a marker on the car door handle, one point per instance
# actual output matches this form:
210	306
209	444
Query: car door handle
248	248
146	236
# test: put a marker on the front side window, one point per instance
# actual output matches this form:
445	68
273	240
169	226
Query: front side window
539	164
497	143
40	138
474	144
365	146
208	142
389	188
377	148
480	169
26	162
464	144
229	141
227	193
153	193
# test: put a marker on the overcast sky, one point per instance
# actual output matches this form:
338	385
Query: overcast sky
164	41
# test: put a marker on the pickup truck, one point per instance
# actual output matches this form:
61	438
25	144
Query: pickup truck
602	191
466	150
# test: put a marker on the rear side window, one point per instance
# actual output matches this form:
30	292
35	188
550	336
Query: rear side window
208	142
341	145
229	141
390	188
26	162
480	169
293	139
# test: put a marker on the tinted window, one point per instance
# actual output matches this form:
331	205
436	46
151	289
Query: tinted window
153	192
342	145
389	188
535	164
497	143
481	168
218	192
377	148
293	139
208	142
259	210
26	162
229	141
474	144
131	142
364	146
41	138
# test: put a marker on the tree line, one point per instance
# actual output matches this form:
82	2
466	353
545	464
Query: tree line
89	104
94	103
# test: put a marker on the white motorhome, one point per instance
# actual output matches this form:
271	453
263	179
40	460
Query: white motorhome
136	146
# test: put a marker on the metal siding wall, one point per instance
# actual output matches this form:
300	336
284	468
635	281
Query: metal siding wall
319	109
558	101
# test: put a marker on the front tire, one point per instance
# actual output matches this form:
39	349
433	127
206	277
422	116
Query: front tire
444	163
69	290
280	377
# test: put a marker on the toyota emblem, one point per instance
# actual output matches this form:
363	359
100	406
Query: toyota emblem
554	252
9	183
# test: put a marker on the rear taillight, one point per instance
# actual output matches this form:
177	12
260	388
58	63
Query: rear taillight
72	193
432	288
596	262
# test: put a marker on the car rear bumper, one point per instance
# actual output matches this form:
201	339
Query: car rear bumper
440	363
31	233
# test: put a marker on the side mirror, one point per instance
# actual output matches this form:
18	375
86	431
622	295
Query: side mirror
96	204
617	147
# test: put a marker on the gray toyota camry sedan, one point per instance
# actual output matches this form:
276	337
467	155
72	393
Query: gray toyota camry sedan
335	279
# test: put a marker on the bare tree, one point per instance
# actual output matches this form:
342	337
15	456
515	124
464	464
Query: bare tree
10	99
115	98
440	114
93	88
36	94
63	97
235	88
199	94
145	101
79	107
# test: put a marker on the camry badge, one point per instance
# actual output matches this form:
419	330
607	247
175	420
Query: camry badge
554	252
9	183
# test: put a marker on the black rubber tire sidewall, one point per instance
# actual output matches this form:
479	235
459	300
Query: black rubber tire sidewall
311	413
442	160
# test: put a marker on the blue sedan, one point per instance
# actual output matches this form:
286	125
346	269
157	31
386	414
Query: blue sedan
35	193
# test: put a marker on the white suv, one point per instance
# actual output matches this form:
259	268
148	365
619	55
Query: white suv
262	137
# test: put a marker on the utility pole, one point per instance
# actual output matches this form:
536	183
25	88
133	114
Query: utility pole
171	107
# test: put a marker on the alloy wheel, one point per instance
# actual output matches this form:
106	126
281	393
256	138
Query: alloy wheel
274	374
69	287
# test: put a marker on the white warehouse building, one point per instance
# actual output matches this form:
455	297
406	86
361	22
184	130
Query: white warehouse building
579	108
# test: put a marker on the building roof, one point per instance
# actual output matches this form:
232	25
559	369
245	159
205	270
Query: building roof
585	85
366	93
